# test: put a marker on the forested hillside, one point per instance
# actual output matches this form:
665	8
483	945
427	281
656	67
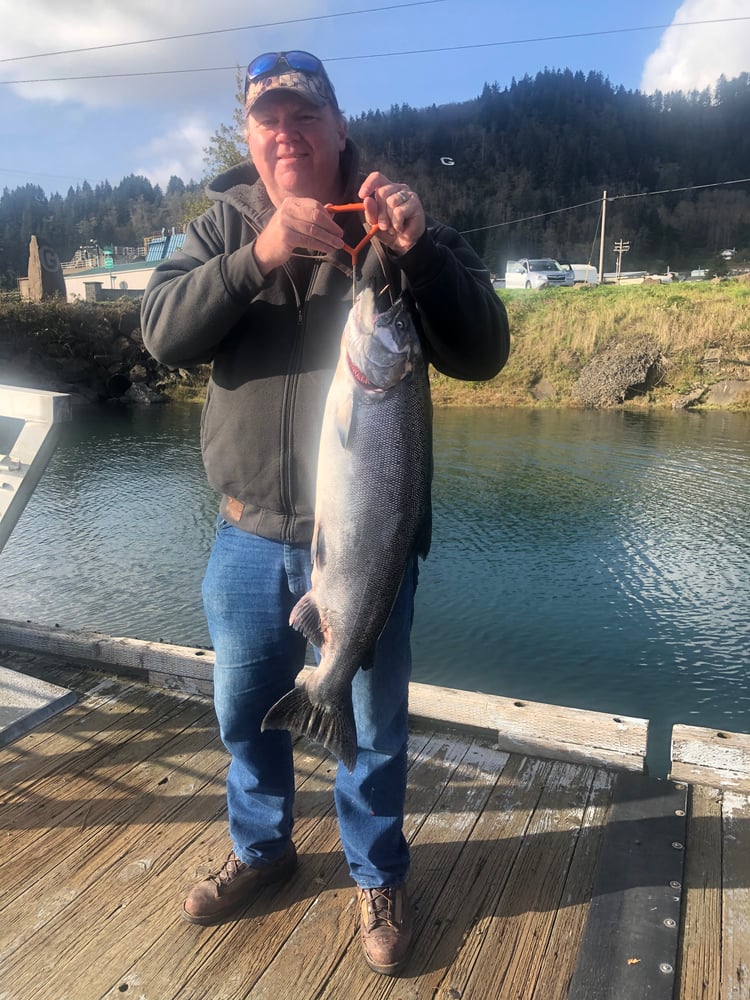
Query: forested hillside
541	150
560	140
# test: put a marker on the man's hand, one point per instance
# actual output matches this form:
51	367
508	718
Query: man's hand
297	224
396	210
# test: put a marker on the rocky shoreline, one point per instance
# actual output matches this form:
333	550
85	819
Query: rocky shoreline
93	352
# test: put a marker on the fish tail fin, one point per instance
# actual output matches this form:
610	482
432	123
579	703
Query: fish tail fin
332	727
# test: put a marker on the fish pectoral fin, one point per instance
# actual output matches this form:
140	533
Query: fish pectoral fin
330	725
318	547
305	618
344	418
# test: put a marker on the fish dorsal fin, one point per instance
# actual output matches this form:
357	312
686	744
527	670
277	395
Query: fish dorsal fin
305	618
345	418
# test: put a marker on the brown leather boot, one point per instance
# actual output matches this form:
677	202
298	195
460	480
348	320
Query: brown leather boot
232	887
385	927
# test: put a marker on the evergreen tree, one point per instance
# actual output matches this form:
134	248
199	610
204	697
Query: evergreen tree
520	169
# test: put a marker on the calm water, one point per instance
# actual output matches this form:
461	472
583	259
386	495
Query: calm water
597	560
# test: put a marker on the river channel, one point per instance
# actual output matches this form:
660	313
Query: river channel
591	559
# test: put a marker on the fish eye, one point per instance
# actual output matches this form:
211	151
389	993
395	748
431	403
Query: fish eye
399	324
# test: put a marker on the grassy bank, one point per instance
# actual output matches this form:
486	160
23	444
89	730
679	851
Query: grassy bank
701	329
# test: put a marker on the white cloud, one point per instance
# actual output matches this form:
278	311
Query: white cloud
177	153
140	121
39	26
694	58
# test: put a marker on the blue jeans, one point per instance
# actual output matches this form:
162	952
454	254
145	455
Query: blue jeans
250	586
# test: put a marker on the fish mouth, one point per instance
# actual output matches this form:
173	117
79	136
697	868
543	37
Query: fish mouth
359	376
379	341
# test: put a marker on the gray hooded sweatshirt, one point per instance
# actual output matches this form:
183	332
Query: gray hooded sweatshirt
273	342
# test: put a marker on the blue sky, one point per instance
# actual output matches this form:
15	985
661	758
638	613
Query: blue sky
135	115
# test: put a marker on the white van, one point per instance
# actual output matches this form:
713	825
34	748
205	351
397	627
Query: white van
542	272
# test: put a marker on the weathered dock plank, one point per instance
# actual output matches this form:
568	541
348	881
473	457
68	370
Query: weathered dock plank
263	932
107	804
711	757
735	900
163	950
113	808
515	725
487	862
522	726
558	964
448	882
517	933
700	964
161	664
106	910
87	911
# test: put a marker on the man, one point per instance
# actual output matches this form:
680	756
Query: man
262	291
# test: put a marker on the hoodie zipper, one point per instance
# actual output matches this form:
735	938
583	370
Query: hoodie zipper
291	383
287	403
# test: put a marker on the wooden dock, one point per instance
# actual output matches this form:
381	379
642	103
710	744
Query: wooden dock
532	877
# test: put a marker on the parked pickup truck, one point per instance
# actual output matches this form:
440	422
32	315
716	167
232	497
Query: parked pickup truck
541	273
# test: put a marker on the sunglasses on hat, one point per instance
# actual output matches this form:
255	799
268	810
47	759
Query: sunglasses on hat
278	62
306	62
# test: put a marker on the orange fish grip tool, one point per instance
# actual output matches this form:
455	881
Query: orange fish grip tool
357	206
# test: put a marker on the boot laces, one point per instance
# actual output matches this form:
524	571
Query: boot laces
228	871
381	908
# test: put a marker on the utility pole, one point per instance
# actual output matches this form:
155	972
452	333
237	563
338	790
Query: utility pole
620	248
601	241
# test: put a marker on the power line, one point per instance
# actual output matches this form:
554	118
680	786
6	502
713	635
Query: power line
598	201
692	187
381	55
219	31
32	173
528	218
118	76
541	38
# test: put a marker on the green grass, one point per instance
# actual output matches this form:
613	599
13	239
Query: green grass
555	332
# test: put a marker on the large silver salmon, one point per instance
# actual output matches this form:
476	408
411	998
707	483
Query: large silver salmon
372	514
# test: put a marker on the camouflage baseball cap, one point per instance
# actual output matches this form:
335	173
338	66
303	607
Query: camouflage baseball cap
297	71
